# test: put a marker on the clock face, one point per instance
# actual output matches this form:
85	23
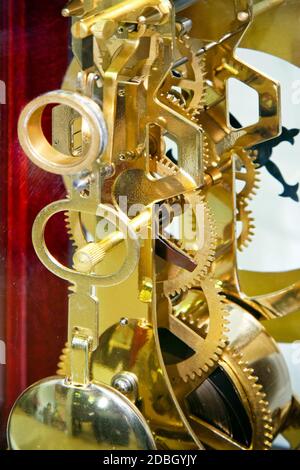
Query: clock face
276	207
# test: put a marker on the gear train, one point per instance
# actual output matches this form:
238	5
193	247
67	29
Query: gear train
165	350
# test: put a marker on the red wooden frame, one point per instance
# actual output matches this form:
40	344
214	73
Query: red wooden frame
34	57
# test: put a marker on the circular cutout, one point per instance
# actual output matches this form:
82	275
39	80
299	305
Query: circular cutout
130	239
42	153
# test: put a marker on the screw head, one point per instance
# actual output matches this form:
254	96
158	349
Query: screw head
123	385
126	383
121	92
243	16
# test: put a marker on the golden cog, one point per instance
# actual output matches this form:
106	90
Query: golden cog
203	252
198	217
184	88
247	173
244	216
197	211
262	437
204	333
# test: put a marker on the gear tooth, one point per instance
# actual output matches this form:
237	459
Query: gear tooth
268	427
253	379
268	418
267	445
262	403
193	73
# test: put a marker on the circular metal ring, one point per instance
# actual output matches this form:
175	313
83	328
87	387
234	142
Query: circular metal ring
130	239
41	152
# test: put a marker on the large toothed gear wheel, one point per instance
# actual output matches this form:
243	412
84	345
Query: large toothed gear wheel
234	423
177	279
207	340
232	406
244	216
184	91
247	173
247	178
203	252
263	436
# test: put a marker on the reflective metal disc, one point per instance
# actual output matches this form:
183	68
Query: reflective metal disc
56	416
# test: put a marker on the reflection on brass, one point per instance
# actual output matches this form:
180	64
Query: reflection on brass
165	348
61	417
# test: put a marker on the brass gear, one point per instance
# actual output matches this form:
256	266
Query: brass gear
244	216
63	362
184	88
179	280
256	397
208	345
186	94
247	172
75	229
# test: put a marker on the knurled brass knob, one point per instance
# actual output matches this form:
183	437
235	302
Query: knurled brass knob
87	257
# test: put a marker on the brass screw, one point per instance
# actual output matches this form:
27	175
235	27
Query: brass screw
243	16
121	92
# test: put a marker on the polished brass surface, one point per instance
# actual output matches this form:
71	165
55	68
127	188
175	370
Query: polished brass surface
256	368
41	152
158	309
61	417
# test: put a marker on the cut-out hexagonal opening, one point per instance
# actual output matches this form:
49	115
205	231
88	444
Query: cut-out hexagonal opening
243	104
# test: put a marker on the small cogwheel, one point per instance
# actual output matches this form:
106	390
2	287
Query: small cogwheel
244	216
